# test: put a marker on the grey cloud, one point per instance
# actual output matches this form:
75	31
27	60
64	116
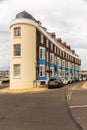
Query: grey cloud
85	0
5	53
2	1
66	18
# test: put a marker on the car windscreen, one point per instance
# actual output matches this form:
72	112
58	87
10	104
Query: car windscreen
52	79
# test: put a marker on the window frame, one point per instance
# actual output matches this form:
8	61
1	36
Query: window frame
17	70
41	71
42	38
47	43
17	50
41	53
17	31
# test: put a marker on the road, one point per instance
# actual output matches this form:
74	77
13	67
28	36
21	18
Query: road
37	111
77	102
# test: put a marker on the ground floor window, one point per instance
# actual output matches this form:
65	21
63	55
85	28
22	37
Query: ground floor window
52	72
42	71
17	70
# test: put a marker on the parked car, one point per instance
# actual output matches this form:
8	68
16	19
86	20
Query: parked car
69	80
64	80
80	79
60	82
73	80
84	78
55	83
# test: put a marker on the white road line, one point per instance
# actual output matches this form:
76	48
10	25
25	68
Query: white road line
79	106
69	96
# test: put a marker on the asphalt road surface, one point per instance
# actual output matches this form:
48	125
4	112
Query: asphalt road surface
77	101
36	111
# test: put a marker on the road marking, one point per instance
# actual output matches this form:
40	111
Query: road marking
70	93
79	106
69	96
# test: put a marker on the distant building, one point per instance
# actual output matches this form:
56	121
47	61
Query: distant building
37	55
84	73
4	74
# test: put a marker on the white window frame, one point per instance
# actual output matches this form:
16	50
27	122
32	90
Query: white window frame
55	60
17	31
17	49
60	53
55	49
58	62
51	58
52	46
63	62
42	38
47	43
47	56
63	54
41	53
42	71
17	70
52	72
68	64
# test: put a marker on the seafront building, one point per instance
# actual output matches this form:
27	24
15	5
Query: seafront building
37	55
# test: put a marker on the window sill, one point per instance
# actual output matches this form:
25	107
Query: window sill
15	37
17	57
16	77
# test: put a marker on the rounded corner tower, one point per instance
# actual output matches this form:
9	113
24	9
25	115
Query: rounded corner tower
23	51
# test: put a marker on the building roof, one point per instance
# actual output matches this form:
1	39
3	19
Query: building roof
24	14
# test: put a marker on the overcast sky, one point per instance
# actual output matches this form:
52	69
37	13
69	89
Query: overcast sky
67	18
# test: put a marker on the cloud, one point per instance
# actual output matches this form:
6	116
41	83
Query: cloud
4	55
85	0
1	0
65	17
82	53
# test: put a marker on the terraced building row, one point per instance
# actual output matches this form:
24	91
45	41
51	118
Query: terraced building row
37	55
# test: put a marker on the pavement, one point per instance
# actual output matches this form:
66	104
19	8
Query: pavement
84	85
43	88
8	90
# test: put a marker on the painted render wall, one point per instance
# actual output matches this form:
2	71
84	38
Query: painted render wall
27	58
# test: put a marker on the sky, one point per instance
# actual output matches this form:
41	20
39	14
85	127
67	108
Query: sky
67	18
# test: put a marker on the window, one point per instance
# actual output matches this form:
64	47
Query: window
52	72
55	49
17	49
47	43
47	56
63	54
58	51
16	70
73	66
68	64
42	71
55	60
52	58
63	62
42	38
59	61
17	31
42	53
51	46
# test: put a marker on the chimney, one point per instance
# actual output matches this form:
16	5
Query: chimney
64	44
59	40
68	47
73	51
53	35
